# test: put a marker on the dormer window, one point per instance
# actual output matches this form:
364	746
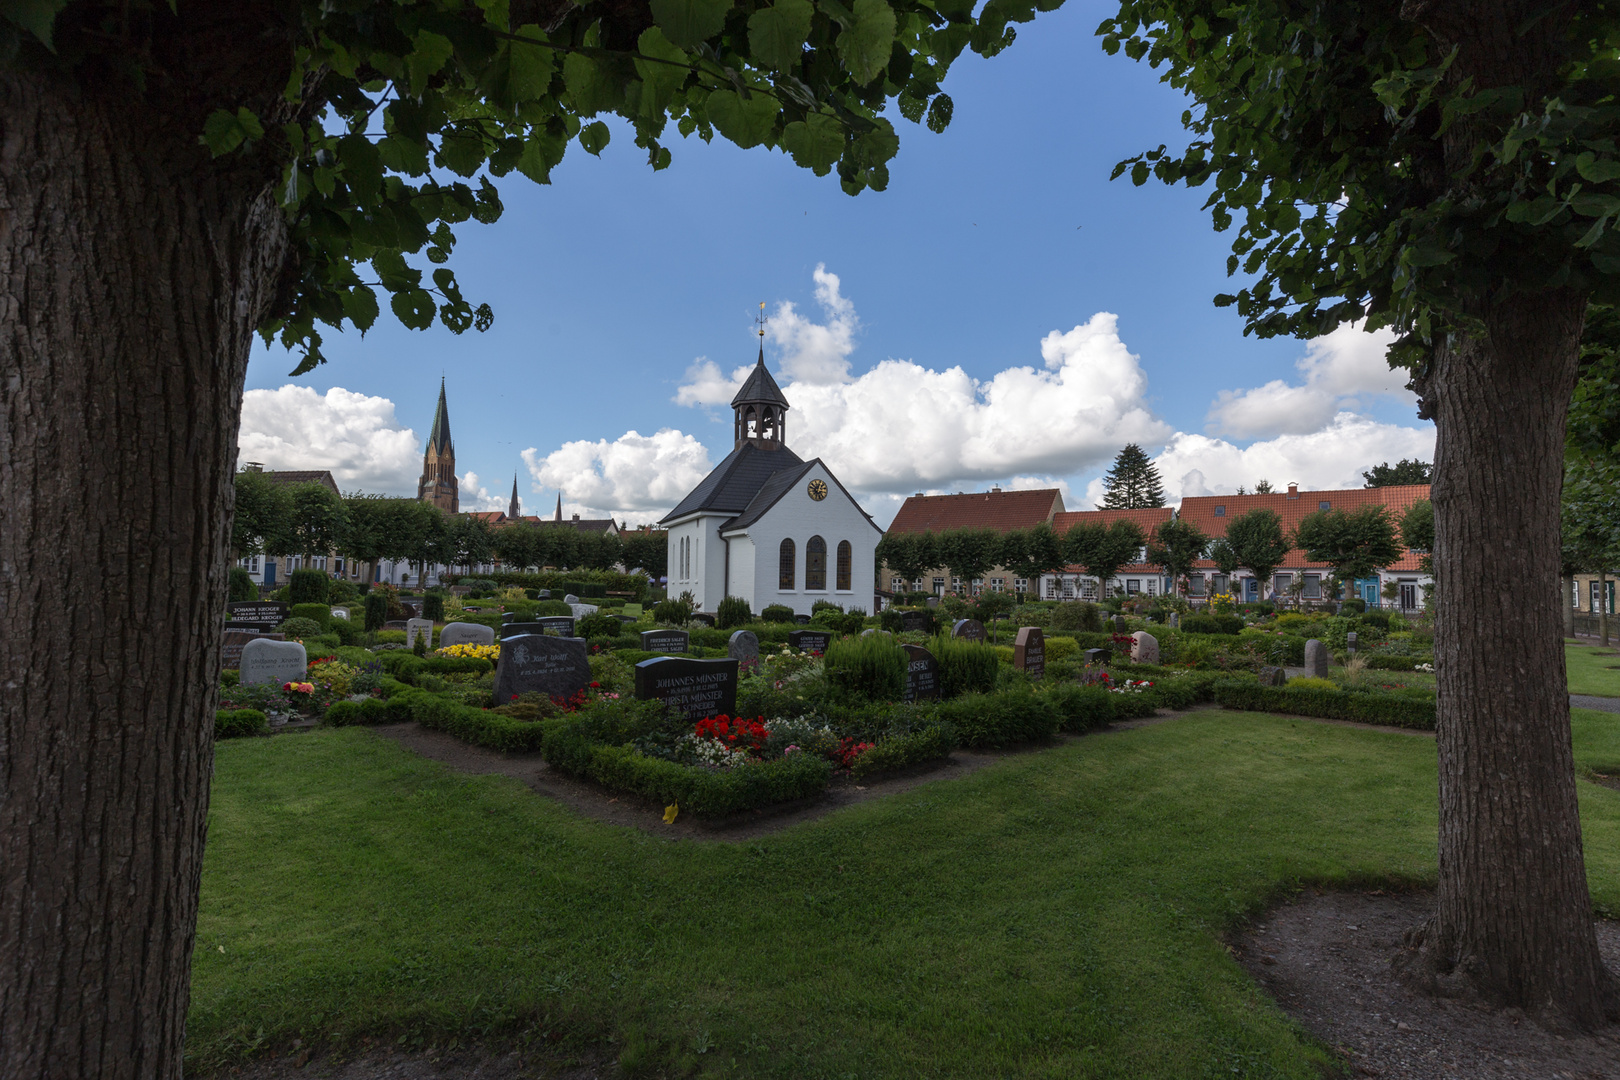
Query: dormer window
1220	511
1324	505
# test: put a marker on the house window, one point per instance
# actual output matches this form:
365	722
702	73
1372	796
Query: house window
787	568
846	556
1220	511
1153	586
897	584
815	564
1068	588
1324	505
250	564
1218	584
1597	603
1574	594
1313	587
1195	585
1133	585
1280	584
956	584
1088	590
997	584
1021	584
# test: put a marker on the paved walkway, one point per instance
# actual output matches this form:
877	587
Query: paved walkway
1602	704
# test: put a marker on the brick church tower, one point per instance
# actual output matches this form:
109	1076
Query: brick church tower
439	485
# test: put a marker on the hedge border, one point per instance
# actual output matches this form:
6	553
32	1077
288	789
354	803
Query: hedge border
1328	704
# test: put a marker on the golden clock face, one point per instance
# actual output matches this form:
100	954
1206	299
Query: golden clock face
818	490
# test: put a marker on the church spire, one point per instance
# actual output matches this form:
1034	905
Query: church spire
439	433
559	506
760	408
439	484
515	511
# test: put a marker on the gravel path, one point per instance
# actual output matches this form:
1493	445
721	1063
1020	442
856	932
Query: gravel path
1587	701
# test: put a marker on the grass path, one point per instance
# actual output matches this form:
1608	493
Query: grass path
1592	670
1054	915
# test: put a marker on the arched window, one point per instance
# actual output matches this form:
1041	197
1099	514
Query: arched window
815	564
845	557
788	567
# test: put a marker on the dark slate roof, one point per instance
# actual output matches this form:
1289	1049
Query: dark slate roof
731	487
760	387
439	433
778	485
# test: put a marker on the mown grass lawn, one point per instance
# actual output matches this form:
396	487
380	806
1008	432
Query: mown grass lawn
1054	915
1592	671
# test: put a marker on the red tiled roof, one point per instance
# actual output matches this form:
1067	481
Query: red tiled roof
1147	519
1292	508
1002	511
493	517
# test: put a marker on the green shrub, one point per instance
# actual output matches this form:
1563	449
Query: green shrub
965	667
1081	708
1077	615
342	713
598	626
1212	624
889	619
433	606
675	612
376	609
1016	715
777	613
341	592
241	588
733	613
236	723
1379	619
1355	605
1332	704
898	751
315	613
345	630
298	629
308	586
230	677
835	619
866	668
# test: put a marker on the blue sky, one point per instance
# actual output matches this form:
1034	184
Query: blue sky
613	282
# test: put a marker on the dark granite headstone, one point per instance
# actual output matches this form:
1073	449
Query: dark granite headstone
266	613
1099	656
666	641
230	655
412	611
692	689
968	629
810	640
922	674
703	617
508	616
1350	642
913	621
1029	652
396	624
556	666
802	620
1273	676
561	624
744	648
1120	625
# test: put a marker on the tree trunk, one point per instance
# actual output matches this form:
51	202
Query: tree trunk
1568	594
1514	922
132	272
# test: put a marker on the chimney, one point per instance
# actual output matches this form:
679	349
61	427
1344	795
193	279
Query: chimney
1293	491
995	491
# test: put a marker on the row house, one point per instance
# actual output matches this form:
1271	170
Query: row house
1003	511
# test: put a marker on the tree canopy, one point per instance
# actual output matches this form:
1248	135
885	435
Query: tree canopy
1405	471
1101	550
1356	543
1176	545
1257	541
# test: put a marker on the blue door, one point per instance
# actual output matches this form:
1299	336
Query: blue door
1368	588
269	571
1251	590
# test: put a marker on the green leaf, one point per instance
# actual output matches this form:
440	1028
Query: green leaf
776	35
594	137
542	151
689	22
1594	234
362	167
940	112
864	47
36	16
1595	170
360	305
222	133
414	307
532	66
746	123
663	68
430	52
589	83
815	142
1590	204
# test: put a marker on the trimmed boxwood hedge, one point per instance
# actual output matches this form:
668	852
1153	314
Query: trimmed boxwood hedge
897	751
1017	715
1329	704
236	723
481	727
406	667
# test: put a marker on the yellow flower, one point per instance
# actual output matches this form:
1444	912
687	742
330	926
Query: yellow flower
670	813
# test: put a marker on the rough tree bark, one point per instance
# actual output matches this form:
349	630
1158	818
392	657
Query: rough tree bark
133	270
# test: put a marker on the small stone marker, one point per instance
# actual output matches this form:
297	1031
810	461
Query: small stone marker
933	601
558	667
693	689
968	630
703	617
922	674
340	613
397	624
913	622
268	614
1144	648
1175	620
416	626
508	616
1350	642
666	641
1119	624
275	662
1273	676
542	594
744	648
466	633
1029	652
810	640
1099	656
570	598
802	620
1316	659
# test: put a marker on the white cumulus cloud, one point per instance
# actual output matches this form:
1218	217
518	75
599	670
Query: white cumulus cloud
706	385
355	436
474	496
635	475
816	353
1340	371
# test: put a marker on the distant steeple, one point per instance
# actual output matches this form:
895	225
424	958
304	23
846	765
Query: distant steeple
760	409
439	434
514	511
559	506
439	484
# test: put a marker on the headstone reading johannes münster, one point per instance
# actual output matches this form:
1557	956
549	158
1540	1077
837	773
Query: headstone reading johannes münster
273	662
913	621
466	633
815	641
266	613
418	626
1029	652
692	689
1316	659
556	666
968	630
744	648
922	673
666	641
1144	648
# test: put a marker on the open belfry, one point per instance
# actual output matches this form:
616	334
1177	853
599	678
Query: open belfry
438	484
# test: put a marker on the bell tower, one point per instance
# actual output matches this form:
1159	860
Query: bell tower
759	408
438	484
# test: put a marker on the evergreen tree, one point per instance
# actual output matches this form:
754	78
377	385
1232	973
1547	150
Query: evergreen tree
1133	482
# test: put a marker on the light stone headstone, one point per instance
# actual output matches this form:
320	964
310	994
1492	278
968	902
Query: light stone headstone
869	632
340	613
418	626
744	648
1144	648
558	667
273	662
466	633
1316	659
582	610
1350	642
570	598
933	601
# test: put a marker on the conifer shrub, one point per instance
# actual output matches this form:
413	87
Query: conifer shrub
308	586
299	629
316	613
241	588
778	613
433	606
734	612
965	667
376	609
1079	615
598	626
866	668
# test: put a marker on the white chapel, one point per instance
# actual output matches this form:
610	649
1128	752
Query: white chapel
766	525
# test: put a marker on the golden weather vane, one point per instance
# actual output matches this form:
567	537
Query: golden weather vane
759	319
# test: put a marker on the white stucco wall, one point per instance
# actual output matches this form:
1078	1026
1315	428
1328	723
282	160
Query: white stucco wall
798	517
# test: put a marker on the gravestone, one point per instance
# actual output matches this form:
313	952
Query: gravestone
396	624
466	633
666	640
1029	652
558	667
254	626
275	662
570	598
1350	642
968	630
703	617
802	620
266	613
922	674
870	632
562	624
744	648
1119	624
1144	648
1175	620
1316	659
418	626
913	622
582	610
340	613
542	594
1273	676
230	654
509	616
810	640
628	620
933	601
692	689
1099	656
